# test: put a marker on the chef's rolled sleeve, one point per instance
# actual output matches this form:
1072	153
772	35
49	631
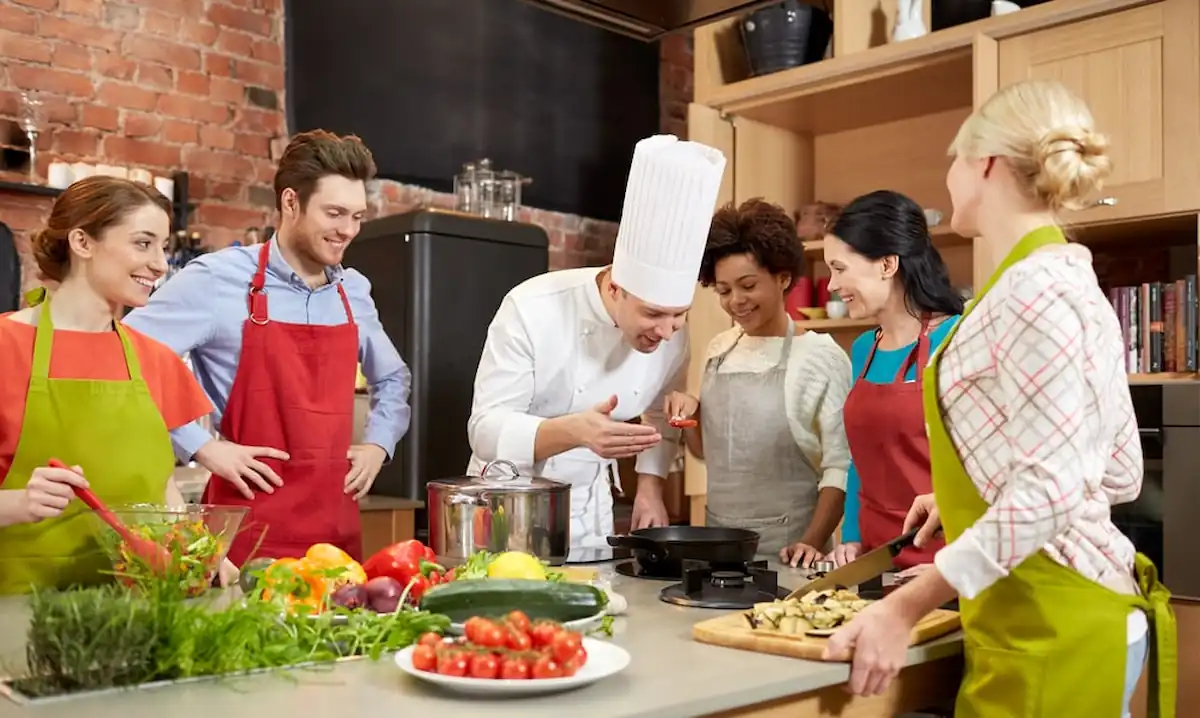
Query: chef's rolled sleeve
501	426
187	440
657	461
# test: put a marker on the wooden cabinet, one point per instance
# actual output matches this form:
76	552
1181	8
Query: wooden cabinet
1138	70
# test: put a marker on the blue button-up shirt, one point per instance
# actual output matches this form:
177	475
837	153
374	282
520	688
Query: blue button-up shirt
201	311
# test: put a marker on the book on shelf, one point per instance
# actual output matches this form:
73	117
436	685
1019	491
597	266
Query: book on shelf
1159	324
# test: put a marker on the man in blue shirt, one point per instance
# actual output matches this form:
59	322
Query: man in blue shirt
282	378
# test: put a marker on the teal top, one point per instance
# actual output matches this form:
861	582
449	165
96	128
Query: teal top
882	371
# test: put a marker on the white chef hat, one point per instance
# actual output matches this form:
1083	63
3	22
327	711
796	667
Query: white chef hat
669	204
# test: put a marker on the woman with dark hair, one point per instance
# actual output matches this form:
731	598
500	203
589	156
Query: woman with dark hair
770	408
884	267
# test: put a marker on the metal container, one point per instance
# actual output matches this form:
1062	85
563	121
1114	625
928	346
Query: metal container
499	512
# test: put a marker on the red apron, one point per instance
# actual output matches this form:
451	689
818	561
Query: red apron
294	390
885	427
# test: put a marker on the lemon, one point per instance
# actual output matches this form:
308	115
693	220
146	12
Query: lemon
515	564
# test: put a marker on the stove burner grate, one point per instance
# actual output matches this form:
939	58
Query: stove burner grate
706	586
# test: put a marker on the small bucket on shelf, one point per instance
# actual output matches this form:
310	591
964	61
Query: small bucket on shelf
786	35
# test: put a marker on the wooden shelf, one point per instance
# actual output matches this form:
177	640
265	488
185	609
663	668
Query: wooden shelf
29	188
941	234
829	325
932	73
1174	377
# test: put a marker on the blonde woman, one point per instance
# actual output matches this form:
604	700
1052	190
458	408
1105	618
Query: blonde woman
1033	439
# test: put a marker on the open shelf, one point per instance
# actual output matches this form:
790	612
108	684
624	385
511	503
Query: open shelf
942	237
1173	377
830	325
29	188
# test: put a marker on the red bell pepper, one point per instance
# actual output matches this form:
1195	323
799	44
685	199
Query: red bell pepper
408	562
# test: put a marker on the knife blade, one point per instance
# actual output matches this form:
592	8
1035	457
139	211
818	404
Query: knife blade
864	568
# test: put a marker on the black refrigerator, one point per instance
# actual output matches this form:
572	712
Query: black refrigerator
438	278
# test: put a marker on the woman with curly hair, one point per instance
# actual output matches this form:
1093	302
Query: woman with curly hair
769	414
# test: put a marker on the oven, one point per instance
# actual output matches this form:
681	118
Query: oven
1164	521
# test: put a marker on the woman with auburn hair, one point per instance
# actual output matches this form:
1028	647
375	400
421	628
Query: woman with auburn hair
768	421
80	387
1033	440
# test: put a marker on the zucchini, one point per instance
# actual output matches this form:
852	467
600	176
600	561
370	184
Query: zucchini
494	598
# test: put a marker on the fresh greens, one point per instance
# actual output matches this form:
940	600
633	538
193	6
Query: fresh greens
106	637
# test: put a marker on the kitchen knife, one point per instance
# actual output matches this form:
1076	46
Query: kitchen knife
864	568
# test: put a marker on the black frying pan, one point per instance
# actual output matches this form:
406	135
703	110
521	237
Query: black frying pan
671	545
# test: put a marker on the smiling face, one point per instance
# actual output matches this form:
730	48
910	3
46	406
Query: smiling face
865	285
123	264
321	230
644	326
749	294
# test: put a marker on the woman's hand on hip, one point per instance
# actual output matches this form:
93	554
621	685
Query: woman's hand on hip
48	493
844	553
924	513
240	465
799	554
877	641
680	405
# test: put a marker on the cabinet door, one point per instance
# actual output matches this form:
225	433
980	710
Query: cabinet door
1138	70
706	318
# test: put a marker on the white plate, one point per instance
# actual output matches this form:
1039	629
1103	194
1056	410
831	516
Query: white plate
604	660
579	625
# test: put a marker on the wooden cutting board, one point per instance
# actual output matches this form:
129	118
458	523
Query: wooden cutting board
731	631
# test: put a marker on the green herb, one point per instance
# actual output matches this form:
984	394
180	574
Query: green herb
476	566
106	637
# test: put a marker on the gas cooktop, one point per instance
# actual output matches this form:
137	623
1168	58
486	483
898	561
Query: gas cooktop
724	587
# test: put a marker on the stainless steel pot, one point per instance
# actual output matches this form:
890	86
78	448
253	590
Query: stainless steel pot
499	512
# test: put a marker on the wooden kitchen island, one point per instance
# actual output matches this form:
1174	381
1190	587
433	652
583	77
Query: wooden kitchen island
671	676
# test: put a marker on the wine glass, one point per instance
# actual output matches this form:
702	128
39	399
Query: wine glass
32	119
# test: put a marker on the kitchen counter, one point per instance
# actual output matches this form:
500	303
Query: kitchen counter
671	676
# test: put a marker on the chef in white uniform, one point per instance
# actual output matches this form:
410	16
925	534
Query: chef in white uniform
574	354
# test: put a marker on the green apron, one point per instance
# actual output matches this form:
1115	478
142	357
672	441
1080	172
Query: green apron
1043	642
114	431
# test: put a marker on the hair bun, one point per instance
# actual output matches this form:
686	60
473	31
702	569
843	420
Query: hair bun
1072	164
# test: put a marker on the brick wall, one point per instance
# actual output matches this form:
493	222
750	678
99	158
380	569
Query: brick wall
198	85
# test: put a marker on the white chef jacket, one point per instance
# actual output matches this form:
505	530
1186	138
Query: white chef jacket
552	350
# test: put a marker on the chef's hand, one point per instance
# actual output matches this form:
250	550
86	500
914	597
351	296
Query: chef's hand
680	405
596	429
48	493
228	574
912	572
648	512
844	553
239	465
799	554
878	639
924	513
365	462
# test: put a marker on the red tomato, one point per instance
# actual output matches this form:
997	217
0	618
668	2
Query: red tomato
543	633
518	620
490	636
485	665
518	640
472	627
424	658
453	663
430	639
514	669
546	667
566	644
572	665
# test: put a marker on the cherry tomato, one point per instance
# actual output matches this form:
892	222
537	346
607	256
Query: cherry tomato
518	640
430	639
546	667
518	620
565	645
472	627
683	423
543	633
485	665
514	669
453	663
491	636
424	658
572	665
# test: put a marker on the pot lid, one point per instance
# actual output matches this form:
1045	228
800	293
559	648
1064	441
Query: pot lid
494	478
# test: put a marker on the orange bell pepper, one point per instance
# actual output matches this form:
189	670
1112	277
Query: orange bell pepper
296	580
